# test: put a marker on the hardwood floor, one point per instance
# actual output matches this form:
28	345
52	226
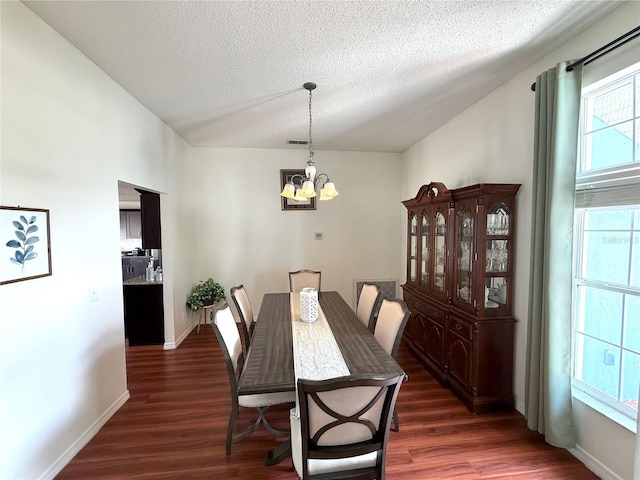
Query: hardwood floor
175	422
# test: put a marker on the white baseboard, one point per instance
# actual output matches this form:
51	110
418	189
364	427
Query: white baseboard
62	461
179	340
593	464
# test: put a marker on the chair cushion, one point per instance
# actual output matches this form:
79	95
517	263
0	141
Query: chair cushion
366	302
347	401
245	306
226	324
266	399
305	278
317	466
390	318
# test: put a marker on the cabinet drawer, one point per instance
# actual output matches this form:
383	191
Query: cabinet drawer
462	328
433	313
410	300
139	261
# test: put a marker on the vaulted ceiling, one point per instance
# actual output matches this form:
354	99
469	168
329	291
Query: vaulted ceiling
230	73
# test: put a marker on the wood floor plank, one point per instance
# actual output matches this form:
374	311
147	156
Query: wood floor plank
174	425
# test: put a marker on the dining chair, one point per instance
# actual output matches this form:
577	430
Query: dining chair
241	301
304	278
343	426
368	304
224	326
392	318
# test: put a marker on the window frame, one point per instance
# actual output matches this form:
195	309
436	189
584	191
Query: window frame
611	188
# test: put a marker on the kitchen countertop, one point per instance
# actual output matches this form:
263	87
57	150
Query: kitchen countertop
140	280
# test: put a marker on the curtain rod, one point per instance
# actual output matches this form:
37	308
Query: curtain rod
602	51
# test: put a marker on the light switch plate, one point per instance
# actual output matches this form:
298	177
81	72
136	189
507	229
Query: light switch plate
318	235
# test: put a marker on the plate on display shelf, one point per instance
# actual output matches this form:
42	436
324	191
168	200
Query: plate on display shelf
490	304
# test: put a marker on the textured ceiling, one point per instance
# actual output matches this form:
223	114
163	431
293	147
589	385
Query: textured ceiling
230	73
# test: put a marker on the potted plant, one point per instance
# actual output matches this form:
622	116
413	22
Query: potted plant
205	293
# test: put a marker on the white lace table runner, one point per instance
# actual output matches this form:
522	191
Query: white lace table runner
315	351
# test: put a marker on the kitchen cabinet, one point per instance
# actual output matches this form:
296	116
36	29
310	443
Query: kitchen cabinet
130	224
143	313
134	266
150	210
459	288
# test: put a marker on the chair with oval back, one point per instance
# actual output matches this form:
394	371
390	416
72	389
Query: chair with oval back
392	318
226	330
304	278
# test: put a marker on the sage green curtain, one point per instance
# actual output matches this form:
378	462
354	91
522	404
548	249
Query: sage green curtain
548	375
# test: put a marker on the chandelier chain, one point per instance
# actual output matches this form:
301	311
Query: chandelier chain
311	151
308	181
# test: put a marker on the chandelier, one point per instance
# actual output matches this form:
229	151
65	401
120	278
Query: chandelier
310	181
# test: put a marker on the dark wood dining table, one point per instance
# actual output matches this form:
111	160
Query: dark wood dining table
269	366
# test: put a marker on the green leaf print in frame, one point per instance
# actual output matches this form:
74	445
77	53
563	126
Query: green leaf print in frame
25	246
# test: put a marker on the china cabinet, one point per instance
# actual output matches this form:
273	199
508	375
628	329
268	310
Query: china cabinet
459	288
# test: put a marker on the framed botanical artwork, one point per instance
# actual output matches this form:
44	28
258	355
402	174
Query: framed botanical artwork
25	246
298	176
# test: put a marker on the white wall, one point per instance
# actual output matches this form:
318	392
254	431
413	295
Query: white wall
492	141
245	238
69	133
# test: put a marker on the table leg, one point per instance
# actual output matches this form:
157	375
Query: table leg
277	455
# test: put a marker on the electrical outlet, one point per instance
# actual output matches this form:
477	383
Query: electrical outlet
93	295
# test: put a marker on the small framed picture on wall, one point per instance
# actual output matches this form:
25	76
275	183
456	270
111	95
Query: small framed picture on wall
25	246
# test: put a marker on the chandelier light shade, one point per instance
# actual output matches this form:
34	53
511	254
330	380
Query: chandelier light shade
289	190
311	181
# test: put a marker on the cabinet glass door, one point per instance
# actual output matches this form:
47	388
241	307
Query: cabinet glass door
413	248
424	242
497	256
440	253
464	287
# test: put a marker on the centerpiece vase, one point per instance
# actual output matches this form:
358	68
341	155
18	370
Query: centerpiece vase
308	305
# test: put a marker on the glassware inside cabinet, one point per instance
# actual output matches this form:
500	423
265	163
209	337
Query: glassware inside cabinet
498	220
440	253
465	257
425	249
496	292
497	256
413	248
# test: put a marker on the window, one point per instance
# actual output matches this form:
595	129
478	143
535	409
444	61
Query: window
606	311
